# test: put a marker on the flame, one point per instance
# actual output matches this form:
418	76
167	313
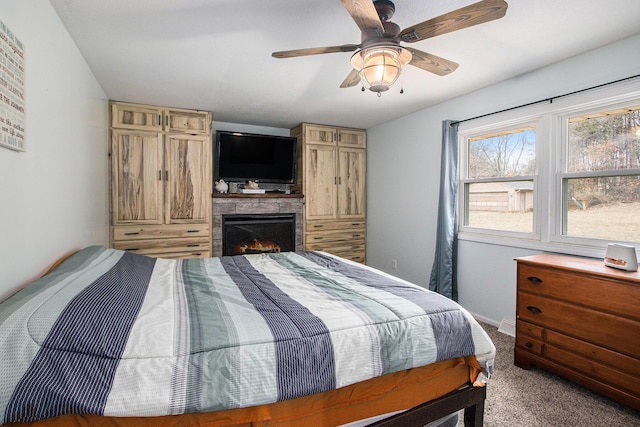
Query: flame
257	247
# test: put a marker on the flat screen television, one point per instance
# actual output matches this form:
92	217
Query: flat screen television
240	157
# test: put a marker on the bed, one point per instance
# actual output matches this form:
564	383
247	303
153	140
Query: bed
112	338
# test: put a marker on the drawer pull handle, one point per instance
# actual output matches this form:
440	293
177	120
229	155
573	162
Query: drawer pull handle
132	233
193	231
534	279
534	309
193	246
528	344
132	249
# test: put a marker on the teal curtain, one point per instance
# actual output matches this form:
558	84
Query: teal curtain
443	274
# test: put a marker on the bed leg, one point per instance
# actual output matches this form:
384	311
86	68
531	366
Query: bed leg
474	414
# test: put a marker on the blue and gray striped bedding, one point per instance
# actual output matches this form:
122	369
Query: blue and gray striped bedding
114	333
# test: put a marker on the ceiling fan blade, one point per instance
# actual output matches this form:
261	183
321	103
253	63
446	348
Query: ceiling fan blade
468	16
432	63
365	15
315	51
352	79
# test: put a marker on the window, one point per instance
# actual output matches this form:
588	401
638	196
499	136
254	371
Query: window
500	177
561	176
601	179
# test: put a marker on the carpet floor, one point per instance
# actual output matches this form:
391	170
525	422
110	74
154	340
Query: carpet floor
517	397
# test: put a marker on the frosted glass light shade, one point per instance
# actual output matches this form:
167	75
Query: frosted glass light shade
380	67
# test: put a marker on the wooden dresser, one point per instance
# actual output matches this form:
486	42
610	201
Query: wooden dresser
581	320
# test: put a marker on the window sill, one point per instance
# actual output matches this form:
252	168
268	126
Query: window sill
537	245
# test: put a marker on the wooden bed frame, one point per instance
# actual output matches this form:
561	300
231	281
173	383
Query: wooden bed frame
470	398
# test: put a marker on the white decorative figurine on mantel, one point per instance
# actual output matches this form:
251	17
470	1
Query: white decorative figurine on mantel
221	186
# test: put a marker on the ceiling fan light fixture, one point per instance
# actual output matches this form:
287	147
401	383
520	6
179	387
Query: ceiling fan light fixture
380	66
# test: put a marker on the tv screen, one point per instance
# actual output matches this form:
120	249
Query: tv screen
240	157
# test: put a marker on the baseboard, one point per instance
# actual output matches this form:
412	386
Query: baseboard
506	326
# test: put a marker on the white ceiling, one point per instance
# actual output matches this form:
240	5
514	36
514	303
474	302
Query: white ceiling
215	55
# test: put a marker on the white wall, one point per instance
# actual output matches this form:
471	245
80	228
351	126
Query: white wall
54	195
403	167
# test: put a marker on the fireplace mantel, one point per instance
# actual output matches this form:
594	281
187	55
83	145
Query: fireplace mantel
256	196
230	204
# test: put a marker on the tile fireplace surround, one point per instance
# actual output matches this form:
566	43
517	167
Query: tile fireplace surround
231	204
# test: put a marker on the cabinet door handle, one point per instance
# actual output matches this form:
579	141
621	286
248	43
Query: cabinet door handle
534	309
535	280
166	175
528	344
159	175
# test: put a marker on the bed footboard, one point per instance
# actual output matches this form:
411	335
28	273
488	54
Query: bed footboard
469	398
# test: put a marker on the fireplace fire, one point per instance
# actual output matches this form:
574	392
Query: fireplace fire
258	233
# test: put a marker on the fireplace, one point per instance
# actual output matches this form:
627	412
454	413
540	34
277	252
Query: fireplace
258	233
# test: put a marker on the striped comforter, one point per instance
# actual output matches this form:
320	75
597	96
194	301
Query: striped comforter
115	333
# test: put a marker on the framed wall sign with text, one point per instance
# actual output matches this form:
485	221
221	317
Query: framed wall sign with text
12	95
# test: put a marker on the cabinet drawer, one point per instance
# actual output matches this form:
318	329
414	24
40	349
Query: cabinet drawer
164	245
335	247
136	232
357	256
333	236
593	369
610	358
597	292
176	255
599	328
313	226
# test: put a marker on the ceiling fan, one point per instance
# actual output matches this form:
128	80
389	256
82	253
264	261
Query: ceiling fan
379	58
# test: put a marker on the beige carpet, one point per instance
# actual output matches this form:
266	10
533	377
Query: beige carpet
517	397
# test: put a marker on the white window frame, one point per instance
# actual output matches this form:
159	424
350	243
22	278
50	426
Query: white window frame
550	121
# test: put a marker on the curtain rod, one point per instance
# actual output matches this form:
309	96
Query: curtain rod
550	100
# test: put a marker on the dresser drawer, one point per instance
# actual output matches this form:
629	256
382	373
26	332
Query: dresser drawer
596	327
337	247
529	329
530	344
596	292
312	226
165	246
334	236
594	369
139	232
180	255
602	355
